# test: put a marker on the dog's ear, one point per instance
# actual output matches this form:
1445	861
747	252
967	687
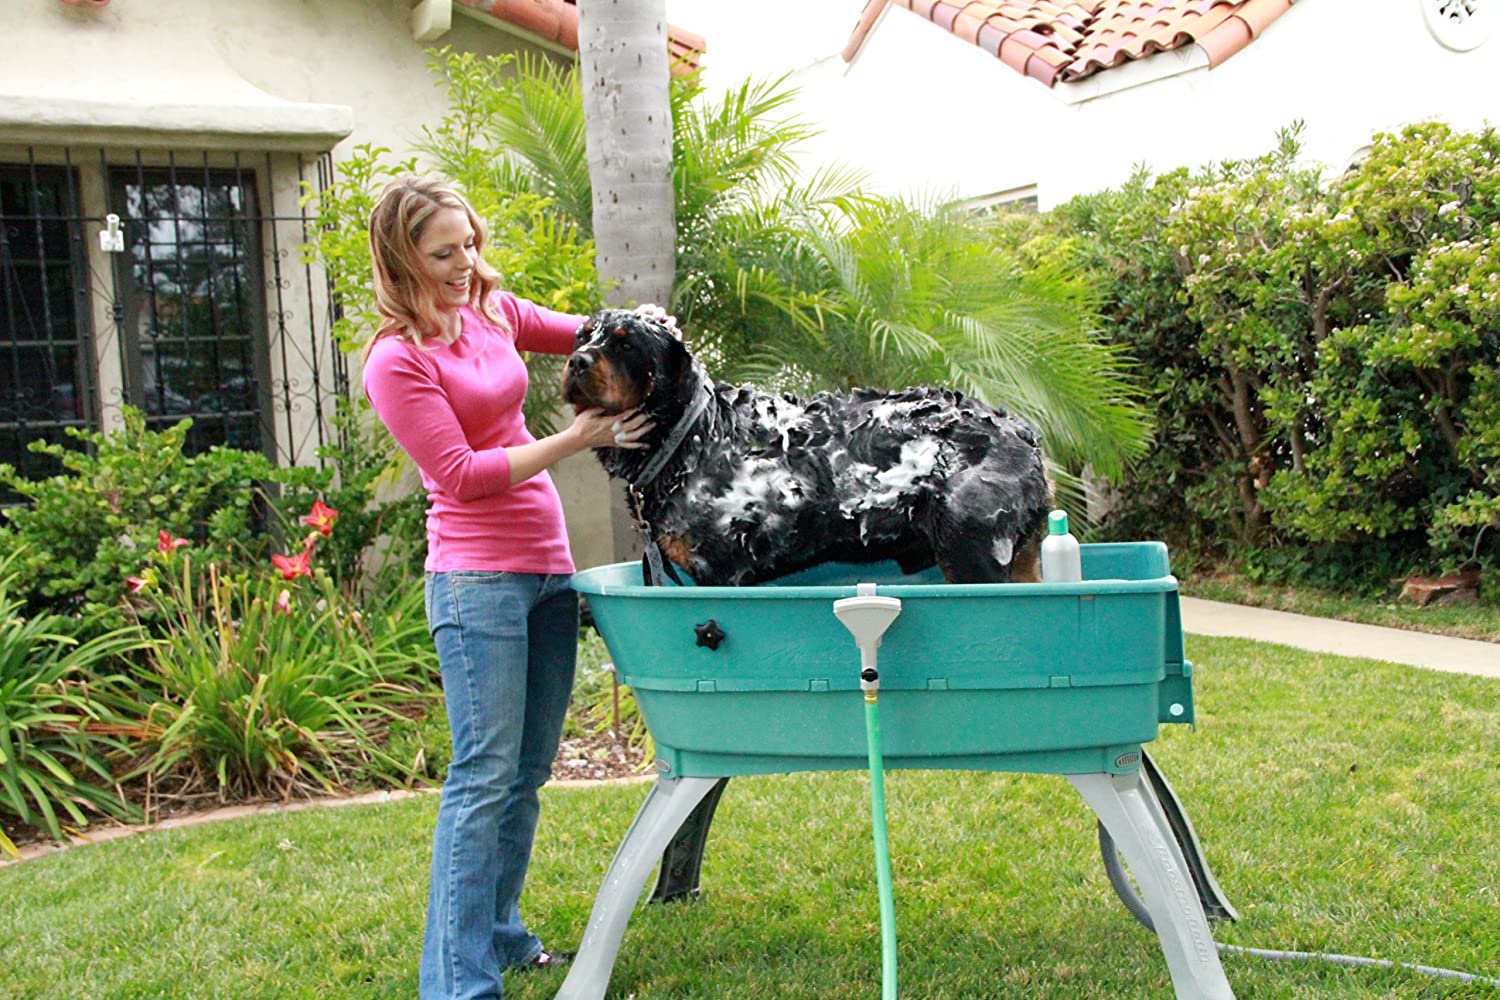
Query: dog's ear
677	363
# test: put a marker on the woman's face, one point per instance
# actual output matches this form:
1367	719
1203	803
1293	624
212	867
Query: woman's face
447	255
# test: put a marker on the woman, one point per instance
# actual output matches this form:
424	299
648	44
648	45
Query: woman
444	375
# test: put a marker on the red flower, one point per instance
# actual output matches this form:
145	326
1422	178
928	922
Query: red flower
283	603
136	584
321	517
294	566
165	542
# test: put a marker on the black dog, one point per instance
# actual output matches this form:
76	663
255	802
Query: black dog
740	486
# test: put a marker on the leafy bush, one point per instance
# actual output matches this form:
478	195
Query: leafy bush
1410	388
1321	354
602	704
540	253
423	744
60	727
382	532
261	685
83	531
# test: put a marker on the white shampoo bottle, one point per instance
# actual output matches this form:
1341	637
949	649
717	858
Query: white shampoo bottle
1061	561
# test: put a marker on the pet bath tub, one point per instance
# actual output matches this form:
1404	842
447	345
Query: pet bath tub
1057	678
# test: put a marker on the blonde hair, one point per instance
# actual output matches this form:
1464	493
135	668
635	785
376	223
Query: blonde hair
408	303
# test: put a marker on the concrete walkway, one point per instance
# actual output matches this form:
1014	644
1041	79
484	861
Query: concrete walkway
1324	635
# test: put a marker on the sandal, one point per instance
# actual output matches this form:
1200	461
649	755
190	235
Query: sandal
547	960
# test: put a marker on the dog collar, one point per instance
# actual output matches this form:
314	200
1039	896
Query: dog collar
674	440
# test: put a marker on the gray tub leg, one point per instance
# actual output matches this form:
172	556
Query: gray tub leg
1129	811
660	816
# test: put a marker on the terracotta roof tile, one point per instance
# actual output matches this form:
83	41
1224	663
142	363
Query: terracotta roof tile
557	22
1067	40
966	26
1015	53
1225	40
943	15
990	38
862	28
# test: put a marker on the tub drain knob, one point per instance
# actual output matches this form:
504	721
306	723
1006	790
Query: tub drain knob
709	634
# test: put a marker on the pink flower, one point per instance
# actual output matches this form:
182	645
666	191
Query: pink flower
321	517
136	584
283	603
165	542
294	566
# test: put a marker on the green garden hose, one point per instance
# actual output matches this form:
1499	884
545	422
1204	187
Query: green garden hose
867	615
882	848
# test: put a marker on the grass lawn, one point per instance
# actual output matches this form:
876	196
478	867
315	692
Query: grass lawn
1345	806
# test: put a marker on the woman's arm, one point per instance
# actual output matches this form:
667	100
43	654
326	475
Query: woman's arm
590	429
537	328
419	416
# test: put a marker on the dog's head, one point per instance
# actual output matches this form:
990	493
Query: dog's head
622	361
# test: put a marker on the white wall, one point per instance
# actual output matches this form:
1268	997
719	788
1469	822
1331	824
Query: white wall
922	110
251	76
276	57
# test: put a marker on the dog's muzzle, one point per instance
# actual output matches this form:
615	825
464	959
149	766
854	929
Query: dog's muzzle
578	366
576	374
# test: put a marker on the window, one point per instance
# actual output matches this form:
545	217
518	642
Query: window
190	289
45	351
204	311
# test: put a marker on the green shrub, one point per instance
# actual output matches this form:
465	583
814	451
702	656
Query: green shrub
264	686
540	252
84	530
600	703
61	728
382	532
1409	389
423	744
1321	355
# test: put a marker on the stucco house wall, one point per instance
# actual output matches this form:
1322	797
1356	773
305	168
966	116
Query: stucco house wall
922	110
263	88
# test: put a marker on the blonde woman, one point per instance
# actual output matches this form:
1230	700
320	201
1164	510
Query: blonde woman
445	376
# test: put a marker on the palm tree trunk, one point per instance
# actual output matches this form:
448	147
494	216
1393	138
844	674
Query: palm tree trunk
622	54
622	48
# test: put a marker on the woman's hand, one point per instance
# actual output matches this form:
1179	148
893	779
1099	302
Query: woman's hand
590	428
597	429
652	311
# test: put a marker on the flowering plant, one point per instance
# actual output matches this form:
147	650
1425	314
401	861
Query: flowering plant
271	681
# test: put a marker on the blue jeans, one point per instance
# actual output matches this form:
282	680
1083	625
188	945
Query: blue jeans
507	644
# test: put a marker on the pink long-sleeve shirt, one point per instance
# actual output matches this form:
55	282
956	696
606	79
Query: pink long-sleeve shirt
455	408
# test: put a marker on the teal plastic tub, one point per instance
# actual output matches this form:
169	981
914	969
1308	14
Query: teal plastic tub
1041	677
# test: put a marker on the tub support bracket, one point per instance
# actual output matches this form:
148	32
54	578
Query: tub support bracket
1134	818
682	860
671	801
